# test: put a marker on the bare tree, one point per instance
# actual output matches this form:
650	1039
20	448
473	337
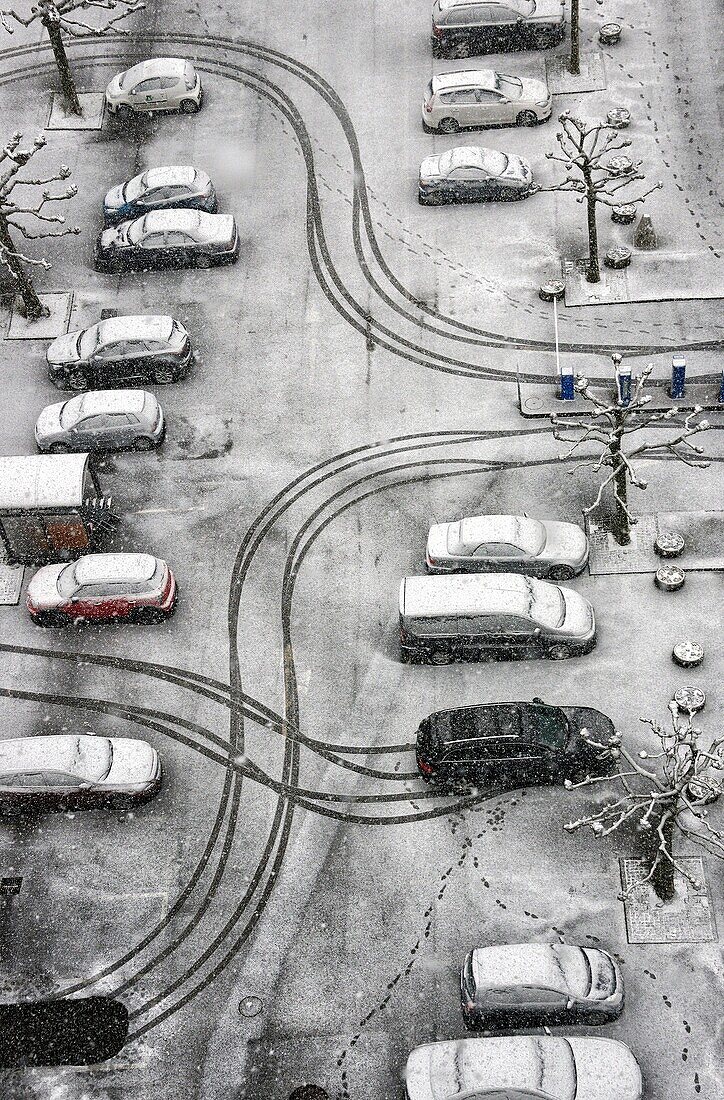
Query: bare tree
609	425
15	213
667	799
57	18
594	179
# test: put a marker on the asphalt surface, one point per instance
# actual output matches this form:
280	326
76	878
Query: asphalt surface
289	910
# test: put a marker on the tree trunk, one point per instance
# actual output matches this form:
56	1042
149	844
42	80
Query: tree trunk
61	59
34	308
662	880
593	270
621	523
574	65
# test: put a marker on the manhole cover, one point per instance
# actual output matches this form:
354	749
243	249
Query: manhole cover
690	699
669	577
10	885
688	654
250	1006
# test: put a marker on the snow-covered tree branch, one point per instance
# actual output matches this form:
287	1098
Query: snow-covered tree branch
671	797
57	16
28	217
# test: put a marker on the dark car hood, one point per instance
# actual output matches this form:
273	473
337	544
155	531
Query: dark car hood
598	726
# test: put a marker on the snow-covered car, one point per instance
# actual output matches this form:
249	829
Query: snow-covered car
504	745
509	544
471	173
158	84
102	587
168	238
173	186
101	420
536	984
76	769
464	27
478	98
473	618
523	1067
119	350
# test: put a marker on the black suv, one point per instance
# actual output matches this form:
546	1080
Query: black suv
514	745
464	27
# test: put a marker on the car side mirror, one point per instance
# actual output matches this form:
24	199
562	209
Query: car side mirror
570	1003
84	786
537	632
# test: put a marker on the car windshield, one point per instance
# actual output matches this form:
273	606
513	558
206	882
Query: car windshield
523	7
530	535
134	188
88	341
510	86
66	582
494	162
93	758
548	607
545	726
136	231
70	413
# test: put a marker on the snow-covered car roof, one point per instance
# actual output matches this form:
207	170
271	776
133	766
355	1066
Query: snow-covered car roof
489	594
99	568
167	174
464	78
154	66
203	227
141	326
490	161
528	534
558	1068
42	481
108	401
85	756
542	965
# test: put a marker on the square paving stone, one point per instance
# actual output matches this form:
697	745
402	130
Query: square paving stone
60	116
45	328
11	583
592	77
689	918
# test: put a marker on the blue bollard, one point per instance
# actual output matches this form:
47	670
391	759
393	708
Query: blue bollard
678	376
623	380
567	390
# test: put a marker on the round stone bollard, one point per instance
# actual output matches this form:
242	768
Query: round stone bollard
669	544
620	117
625	214
609	34
620	165
617	257
645	234
687	654
553	290
309	1092
690	699
670	578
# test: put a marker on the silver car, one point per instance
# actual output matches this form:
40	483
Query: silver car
177	186
79	770
524	1067
508	544
481	97
471	173
159	84
101	420
135	348
535	984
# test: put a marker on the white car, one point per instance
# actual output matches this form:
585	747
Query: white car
508	544
159	84
482	97
533	984
472	173
76	769
523	1067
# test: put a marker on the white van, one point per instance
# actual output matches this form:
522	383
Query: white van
469	618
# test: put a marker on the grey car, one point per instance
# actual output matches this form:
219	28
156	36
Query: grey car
471	173
533	984
119	350
168	238
102	420
172	186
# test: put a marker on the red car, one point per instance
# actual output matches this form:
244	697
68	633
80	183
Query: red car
136	587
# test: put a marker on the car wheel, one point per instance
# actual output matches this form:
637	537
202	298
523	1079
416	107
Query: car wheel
449	126
527	118
163	375
435	198
143	443
189	106
507	194
48	618
559	652
561	573
124	113
148	615
439	657
78	380
59	449
203	261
